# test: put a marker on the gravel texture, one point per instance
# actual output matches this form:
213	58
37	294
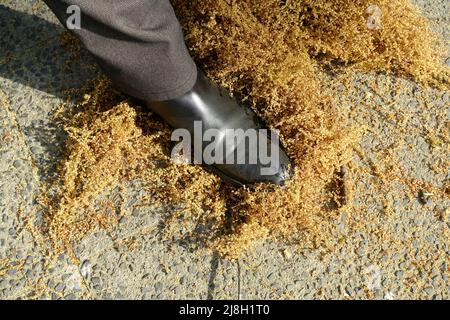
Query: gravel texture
133	262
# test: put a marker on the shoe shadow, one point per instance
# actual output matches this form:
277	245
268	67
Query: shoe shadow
33	55
36	70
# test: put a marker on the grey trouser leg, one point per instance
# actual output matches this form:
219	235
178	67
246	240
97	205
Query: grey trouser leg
138	43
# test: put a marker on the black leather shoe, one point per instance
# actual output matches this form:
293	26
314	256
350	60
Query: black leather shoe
210	107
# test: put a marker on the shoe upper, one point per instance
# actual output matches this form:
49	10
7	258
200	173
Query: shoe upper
238	132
